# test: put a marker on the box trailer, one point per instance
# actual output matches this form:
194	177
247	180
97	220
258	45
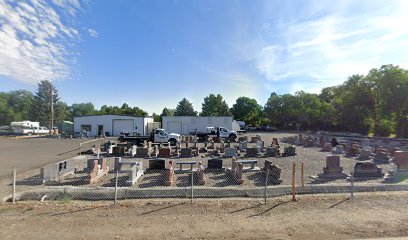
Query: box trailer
189	124
111	125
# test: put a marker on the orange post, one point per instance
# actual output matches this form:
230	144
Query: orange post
294	182
303	177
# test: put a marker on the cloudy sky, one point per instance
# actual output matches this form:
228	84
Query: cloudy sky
151	54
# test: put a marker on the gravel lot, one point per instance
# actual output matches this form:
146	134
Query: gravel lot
313	159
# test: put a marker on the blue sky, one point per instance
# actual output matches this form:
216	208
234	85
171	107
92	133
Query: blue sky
151	54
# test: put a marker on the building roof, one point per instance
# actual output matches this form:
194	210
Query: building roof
121	115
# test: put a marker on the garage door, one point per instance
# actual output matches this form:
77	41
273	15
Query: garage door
120	125
174	127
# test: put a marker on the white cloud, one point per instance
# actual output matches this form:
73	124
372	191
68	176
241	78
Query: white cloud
93	32
337	41
34	39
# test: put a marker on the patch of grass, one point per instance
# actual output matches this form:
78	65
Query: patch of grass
6	210
64	199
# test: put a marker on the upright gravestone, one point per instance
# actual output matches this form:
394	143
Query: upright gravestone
164	152
215	164
367	170
243	146
339	149
332	169
252	152
230	152
142	152
364	154
382	156
401	160
271	152
157	164
289	151
186	152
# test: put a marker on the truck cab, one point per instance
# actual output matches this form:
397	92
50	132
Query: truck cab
222	132
160	135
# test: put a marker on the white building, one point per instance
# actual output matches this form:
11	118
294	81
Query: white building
188	124
112	125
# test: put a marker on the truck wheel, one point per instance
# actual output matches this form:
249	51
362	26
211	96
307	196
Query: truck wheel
172	142
232	137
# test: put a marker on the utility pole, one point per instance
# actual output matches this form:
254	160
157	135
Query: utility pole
52	111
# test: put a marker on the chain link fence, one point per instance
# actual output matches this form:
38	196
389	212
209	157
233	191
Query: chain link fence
250	168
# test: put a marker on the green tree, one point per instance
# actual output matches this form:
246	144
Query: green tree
81	109
247	110
41	107
6	113
167	112
215	106
185	108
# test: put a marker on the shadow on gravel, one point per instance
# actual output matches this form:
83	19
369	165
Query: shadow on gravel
159	209
269	209
342	201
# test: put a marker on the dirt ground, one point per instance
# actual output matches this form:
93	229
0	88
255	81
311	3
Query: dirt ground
311	217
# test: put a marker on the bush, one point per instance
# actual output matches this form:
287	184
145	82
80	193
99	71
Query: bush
384	128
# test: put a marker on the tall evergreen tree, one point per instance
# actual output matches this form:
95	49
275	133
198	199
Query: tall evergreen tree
46	94
185	108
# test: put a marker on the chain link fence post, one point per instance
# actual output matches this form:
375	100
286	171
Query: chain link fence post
192	184
351	184
294	182
266	183
14	185
116	187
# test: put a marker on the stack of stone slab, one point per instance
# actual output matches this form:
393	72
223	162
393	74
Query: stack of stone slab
367	170
332	169
133	168
289	151
274	172
382	156
401	160
98	169
56	171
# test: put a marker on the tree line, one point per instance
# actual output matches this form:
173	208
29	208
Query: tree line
375	103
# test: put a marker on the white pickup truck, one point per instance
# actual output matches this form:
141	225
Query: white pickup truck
158	135
40	130
217	131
